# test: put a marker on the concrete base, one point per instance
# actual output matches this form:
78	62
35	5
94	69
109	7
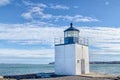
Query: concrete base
94	74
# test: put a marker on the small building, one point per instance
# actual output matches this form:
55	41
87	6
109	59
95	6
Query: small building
71	53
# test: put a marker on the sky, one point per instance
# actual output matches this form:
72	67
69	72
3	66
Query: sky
28	28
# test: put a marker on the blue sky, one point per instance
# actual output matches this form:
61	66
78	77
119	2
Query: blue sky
28	28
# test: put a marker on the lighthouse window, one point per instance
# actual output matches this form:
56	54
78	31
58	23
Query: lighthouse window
71	34
75	34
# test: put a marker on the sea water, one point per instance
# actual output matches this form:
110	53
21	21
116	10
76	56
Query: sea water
19	69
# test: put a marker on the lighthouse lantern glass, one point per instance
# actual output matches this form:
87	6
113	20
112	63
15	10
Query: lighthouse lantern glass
71	34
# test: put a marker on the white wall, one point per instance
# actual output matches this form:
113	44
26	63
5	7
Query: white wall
82	54
59	60
86	56
68	59
65	59
78	57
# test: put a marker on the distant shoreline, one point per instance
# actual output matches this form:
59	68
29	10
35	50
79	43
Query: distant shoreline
105	62
100	62
93	62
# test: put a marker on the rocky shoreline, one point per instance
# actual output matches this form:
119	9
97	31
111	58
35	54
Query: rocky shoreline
52	76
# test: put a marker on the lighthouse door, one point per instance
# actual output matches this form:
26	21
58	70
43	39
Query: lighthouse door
82	66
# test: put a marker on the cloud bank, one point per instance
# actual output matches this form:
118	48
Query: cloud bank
4	2
38	11
102	40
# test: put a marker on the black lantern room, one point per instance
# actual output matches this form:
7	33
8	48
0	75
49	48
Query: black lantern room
71	35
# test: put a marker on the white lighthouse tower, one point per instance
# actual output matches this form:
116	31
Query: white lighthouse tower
71	55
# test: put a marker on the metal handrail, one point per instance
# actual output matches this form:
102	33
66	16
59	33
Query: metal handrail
81	40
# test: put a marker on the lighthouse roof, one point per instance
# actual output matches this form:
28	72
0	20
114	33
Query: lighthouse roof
71	28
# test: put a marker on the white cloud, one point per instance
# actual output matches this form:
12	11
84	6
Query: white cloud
42	53
106	40
27	15
79	18
59	7
32	33
4	2
37	11
28	3
42	5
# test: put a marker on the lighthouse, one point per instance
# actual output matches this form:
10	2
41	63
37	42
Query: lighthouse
71	53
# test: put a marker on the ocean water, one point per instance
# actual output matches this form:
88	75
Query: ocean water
18	69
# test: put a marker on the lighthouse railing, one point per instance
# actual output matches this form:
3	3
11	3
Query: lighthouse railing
81	40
